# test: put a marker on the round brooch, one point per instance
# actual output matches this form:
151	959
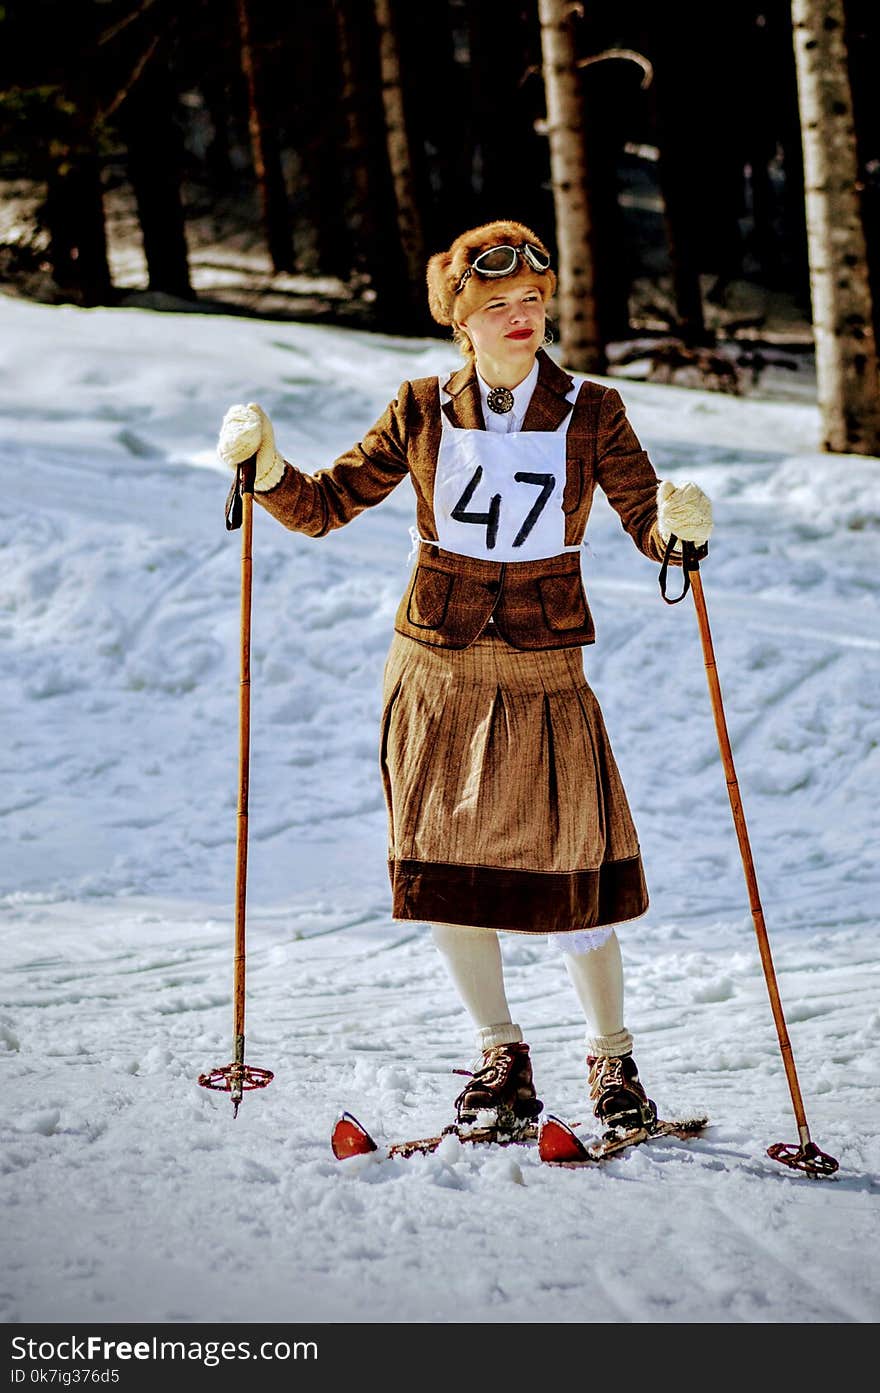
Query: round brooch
500	399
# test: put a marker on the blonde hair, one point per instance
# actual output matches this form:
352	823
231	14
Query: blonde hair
462	338
452	289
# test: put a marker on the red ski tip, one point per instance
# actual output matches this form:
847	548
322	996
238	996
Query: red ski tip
350	1138
557	1142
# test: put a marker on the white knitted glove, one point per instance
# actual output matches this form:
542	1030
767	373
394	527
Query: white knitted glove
683	512
247	430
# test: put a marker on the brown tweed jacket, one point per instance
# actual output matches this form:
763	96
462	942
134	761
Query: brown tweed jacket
450	598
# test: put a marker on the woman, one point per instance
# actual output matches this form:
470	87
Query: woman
506	811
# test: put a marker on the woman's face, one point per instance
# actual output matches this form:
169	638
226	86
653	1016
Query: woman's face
507	331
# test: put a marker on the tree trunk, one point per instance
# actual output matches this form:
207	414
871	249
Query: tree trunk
609	88
369	195
49	129
409	222
218	154
581	345
436	103
510	166
74	216
323	243
863	45
155	156
301	67
265	150
795	258
846	350
674	114
360	208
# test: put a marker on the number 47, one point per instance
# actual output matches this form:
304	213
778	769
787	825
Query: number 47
545	482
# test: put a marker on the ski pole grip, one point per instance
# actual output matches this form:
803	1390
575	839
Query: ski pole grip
691	556
241	484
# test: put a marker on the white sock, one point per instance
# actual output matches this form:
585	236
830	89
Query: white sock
473	959
611	1045
598	981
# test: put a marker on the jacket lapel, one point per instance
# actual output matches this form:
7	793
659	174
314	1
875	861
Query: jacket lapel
548	407
465	408
546	410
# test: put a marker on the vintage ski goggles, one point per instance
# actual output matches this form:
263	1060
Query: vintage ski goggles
502	261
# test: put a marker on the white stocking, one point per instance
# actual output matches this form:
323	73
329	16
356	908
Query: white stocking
473	959
598	980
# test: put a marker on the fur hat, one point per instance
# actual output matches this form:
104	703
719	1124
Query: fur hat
446	269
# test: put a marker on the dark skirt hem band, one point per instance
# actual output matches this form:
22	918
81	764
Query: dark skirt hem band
536	902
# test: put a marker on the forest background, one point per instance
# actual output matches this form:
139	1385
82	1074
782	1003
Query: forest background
303	162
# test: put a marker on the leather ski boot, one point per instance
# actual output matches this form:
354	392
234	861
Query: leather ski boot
619	1100
501	1092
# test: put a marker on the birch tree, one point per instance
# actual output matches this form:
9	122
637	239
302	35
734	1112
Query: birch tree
580	339
846	349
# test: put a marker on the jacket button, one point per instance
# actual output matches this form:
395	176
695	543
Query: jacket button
493	586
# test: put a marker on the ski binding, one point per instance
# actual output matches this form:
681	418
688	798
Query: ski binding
558	1145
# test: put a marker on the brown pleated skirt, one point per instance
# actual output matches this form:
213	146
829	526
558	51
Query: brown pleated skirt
505	805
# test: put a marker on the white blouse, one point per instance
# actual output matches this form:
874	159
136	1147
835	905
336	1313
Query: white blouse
522	395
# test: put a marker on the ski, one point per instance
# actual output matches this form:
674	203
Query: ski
351	1139
558	1145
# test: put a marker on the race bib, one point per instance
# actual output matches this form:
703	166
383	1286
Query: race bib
499	497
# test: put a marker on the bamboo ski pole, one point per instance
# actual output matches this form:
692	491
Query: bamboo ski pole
806	1157
236	1077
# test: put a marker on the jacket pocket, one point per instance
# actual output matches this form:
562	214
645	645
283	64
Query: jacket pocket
563	601
574	485
429	597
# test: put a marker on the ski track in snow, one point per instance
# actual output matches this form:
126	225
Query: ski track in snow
119	624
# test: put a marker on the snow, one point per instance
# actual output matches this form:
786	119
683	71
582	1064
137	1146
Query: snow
130	1194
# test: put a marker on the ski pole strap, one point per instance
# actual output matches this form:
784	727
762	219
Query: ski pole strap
242	483
691	556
